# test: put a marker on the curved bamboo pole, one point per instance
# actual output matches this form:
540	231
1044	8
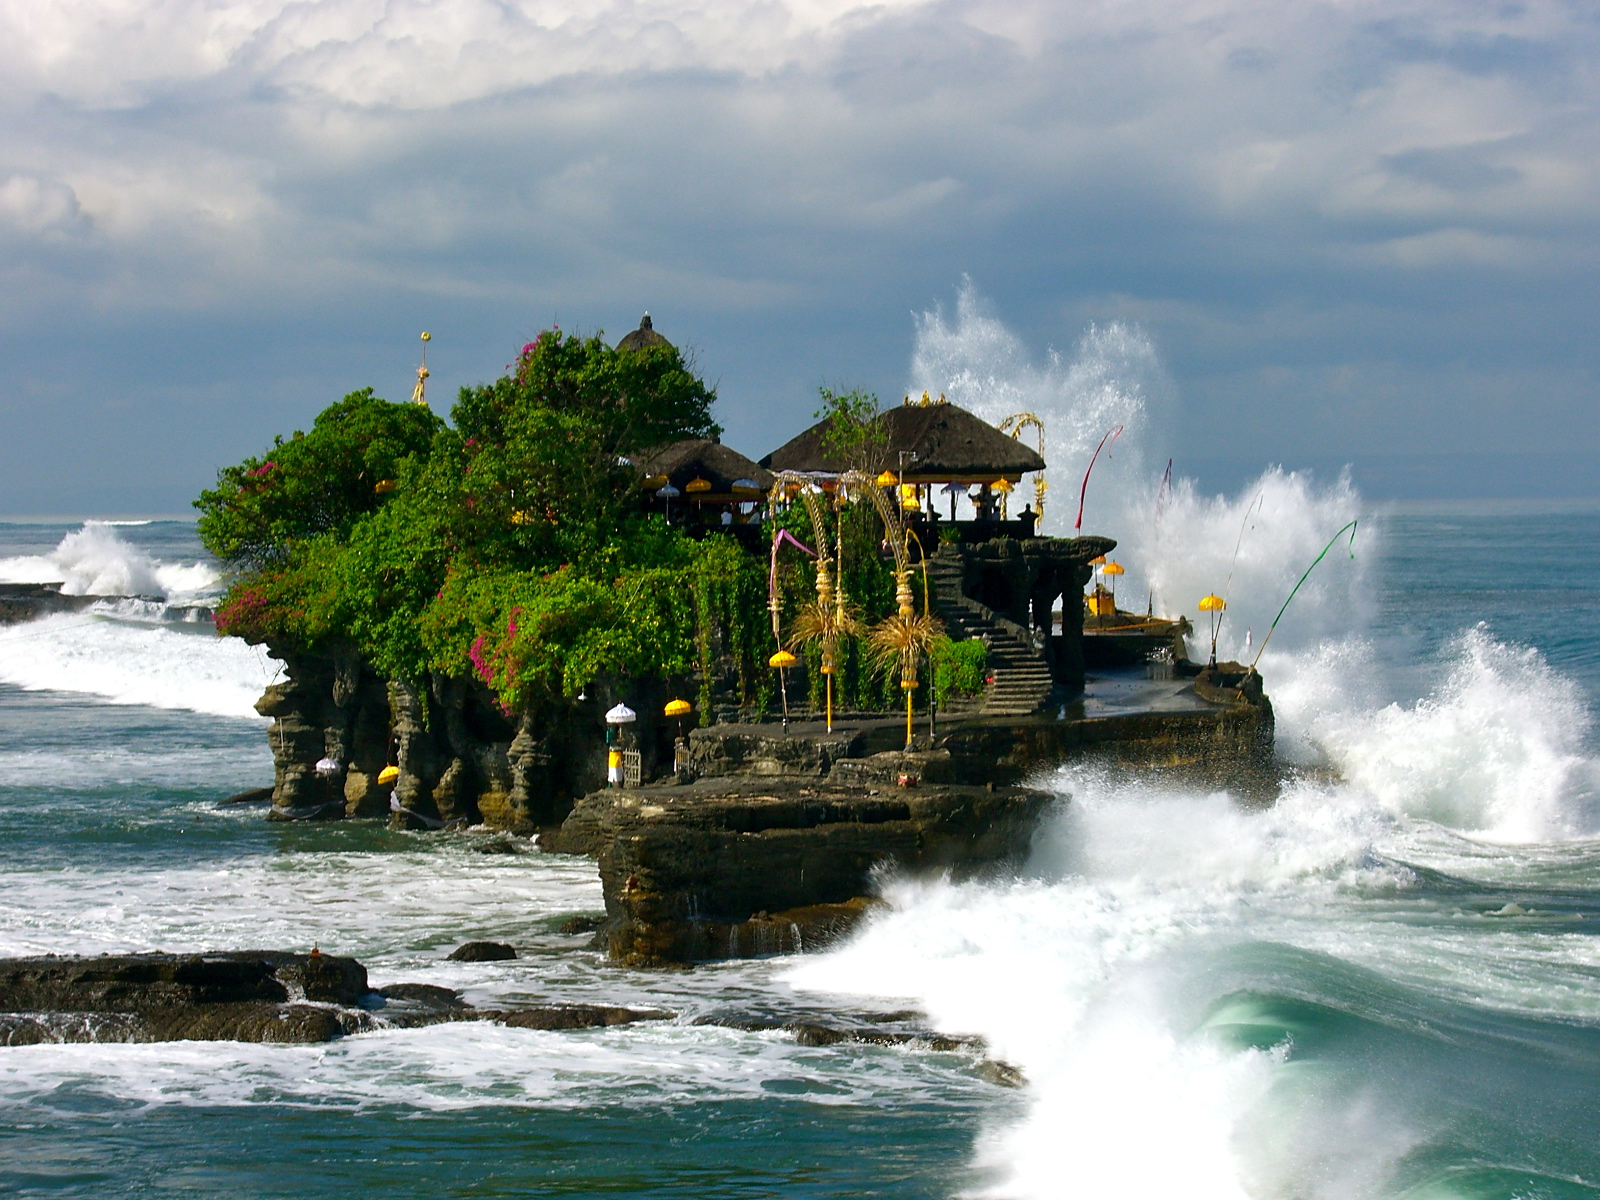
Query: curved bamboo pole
828	617
1014	425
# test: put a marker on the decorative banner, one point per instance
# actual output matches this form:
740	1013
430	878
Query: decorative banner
1352	528
1112	435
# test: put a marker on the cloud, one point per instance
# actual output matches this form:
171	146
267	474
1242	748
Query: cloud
1269	190
40	207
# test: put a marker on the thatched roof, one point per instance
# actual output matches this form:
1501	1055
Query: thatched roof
701	458
643	337
951	445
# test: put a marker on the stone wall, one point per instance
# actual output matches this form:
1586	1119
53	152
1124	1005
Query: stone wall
461	760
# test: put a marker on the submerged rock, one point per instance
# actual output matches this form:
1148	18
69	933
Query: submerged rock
243	996
483	952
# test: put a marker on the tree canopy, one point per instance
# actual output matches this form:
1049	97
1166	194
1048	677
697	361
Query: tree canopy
509	544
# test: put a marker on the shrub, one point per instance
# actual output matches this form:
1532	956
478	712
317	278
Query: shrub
959	668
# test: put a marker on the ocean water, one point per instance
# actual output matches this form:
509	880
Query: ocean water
1385	985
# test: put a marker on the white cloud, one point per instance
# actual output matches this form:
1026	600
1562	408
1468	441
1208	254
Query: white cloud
1256	180
39	206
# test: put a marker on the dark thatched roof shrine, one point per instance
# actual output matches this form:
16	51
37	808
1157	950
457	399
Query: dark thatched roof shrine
951	444
680	463
643	337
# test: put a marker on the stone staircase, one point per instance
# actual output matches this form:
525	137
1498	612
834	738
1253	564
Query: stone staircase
1022	679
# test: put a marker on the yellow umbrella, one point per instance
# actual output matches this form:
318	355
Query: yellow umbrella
385	486
887	479
1213	605
1004	485
1098	561
783	660
1113	569
388	775
677	708
697	485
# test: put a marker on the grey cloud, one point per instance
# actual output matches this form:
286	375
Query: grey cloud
1456	168
782	187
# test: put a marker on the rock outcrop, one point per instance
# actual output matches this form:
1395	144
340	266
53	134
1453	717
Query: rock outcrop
248	996
729	868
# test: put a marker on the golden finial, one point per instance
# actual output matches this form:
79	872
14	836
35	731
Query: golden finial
417	394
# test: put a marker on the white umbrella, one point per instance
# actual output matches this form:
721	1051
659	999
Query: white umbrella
621	715
327	766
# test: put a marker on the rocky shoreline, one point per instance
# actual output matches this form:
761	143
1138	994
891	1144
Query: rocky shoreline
277	997
242	996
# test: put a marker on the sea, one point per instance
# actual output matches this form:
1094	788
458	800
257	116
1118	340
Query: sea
1384	984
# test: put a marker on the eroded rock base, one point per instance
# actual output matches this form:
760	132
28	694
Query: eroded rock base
249	996
739	867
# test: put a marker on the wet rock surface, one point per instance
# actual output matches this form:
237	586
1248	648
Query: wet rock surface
246	996
483	952
734	868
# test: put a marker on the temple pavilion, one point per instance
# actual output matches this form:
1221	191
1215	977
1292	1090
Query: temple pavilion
943	457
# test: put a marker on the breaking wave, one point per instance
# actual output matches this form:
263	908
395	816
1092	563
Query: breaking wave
1179	977
163	665
94	561
154	646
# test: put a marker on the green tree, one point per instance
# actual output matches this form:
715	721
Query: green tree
854	434
318	483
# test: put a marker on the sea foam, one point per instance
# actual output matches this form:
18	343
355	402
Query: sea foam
136	662
1094	971
94	561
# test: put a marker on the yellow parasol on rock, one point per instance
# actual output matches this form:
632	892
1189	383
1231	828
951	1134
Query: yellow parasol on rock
1112	570
1215	605
782	661
679	709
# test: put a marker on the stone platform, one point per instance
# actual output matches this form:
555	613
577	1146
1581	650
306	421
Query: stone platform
738	867
772	838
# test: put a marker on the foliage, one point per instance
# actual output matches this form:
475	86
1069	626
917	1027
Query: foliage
510	546
537	639
321	482
959	668
854	433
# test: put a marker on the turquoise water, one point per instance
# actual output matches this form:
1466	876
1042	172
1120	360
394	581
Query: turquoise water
1386	985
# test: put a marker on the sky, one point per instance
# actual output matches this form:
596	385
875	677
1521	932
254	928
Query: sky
1349	233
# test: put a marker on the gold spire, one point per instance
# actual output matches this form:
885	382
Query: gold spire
417	395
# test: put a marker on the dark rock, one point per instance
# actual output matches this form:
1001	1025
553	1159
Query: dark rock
814	1033
483	952
809	1034
262	996
496	846
253	796
296	1024
575	1016
724	751
1001	1074
425	994
732	868
142	982
256	996
573	926
28	601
